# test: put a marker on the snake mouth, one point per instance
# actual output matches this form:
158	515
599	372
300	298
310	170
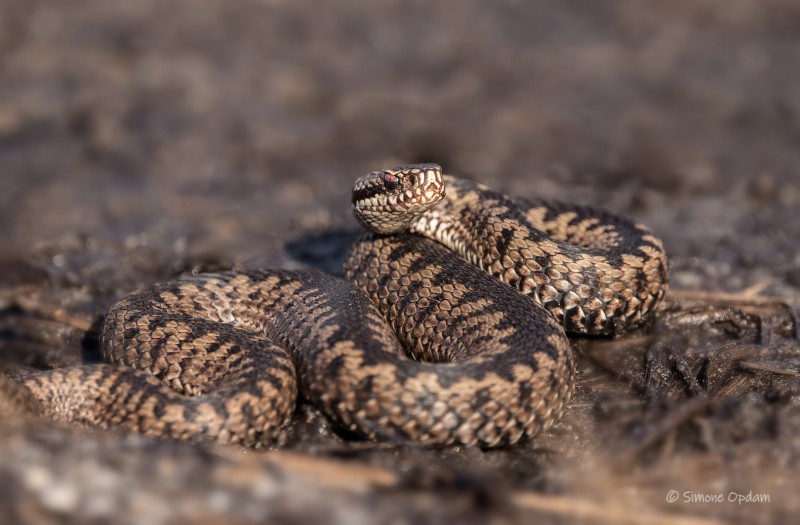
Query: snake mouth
387	201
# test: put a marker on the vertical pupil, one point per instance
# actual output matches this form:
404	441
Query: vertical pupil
391	181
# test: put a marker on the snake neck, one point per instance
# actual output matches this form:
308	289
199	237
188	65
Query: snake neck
441	226
476	223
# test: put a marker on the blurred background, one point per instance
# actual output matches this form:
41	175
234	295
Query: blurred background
140	139
235	125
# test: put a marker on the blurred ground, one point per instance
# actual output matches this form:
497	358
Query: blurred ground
139	140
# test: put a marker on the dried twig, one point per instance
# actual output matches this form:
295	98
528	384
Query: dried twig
581	510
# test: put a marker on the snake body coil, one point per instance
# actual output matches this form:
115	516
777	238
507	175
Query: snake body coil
421	345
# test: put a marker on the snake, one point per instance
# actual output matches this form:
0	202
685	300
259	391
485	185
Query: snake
449	326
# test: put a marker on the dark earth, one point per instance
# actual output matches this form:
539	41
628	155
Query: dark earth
142	140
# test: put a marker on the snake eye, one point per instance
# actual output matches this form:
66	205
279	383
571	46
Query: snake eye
391	181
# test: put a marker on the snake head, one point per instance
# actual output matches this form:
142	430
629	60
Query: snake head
388	201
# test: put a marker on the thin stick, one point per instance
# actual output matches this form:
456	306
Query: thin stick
582	510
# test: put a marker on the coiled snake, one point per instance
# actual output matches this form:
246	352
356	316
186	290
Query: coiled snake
417	345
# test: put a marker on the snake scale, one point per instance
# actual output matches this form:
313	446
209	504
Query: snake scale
450	327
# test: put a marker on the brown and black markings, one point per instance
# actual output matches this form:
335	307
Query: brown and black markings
419	345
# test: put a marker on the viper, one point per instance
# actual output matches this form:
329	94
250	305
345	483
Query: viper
449	327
